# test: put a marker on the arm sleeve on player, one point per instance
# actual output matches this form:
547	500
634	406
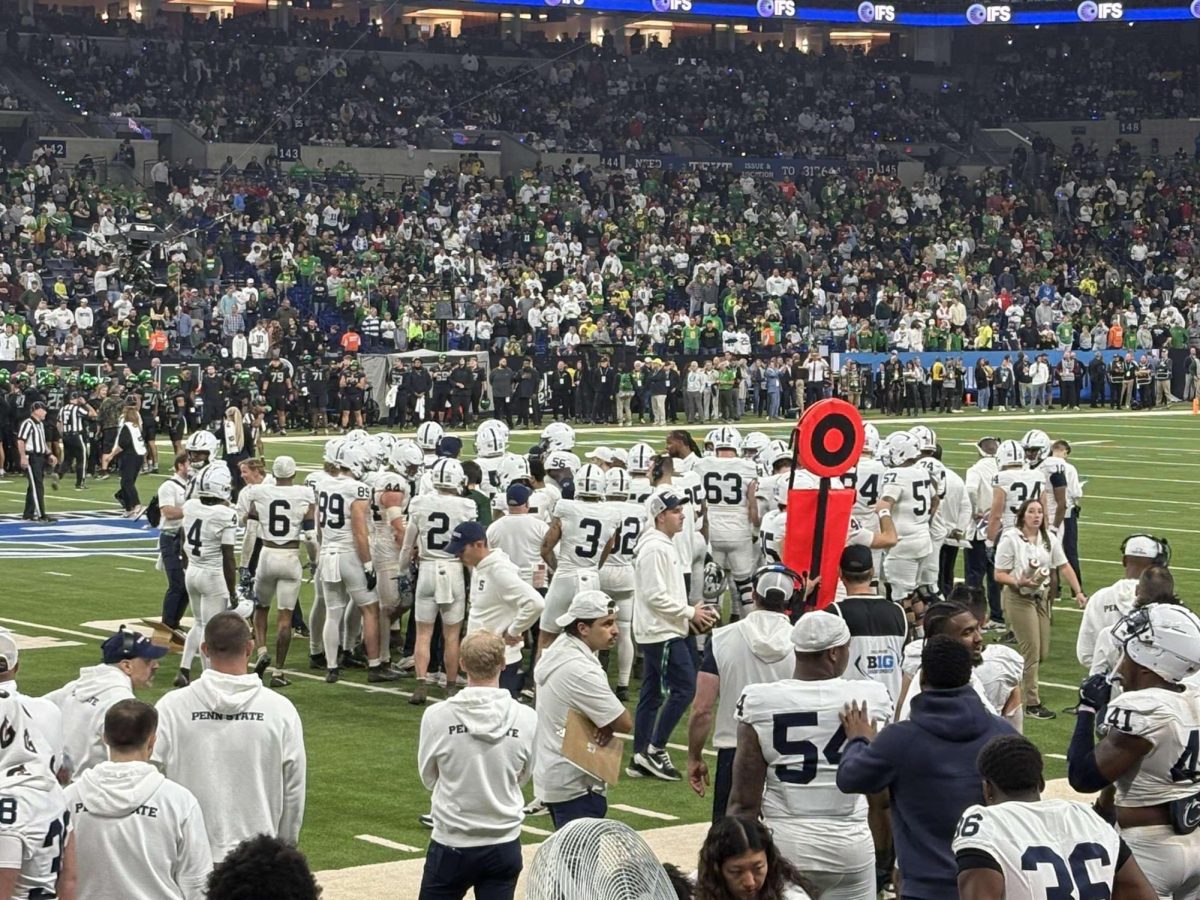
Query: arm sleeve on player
1082	772
194	855
975	858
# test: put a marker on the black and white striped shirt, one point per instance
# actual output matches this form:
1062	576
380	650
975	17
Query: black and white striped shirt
71	419
33	433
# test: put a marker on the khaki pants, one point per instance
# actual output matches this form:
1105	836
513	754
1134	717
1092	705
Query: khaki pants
1030	624
624	410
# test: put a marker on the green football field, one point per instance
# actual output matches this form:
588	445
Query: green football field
66	585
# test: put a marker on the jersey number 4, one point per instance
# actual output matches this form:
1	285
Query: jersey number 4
807	750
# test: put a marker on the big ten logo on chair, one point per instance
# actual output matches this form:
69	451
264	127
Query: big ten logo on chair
876	12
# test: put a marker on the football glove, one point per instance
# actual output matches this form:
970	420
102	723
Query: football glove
372	578
1094	693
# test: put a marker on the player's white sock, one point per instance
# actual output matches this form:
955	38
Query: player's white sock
191	646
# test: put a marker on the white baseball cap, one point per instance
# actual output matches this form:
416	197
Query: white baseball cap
604	454
586	605
1144	546
664	498
819	630
8	649
283	467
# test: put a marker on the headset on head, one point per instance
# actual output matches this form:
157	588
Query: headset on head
796	603
1164	548
129	640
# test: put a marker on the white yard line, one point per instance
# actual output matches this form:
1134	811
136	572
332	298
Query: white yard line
384	842
83	634
539	832
108	503
127	569
648	813
59	574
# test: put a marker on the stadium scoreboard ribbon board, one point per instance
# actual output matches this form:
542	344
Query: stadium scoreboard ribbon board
827	443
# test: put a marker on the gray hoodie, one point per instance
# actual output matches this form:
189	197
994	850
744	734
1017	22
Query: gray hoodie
475	753
137	835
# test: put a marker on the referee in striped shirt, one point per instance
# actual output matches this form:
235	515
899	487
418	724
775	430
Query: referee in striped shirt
72	422
35	455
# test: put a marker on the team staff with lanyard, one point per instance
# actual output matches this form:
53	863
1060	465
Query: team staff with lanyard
35	455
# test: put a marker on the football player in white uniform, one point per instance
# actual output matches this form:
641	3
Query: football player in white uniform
1151	750
730	482
1110	604
1012	486
491	449
389	499
641	457
774	525
37	843
978	485
345	567
1037	446
209	534
441	588
1018	845
578	540
281	509
514	469
788	747
428	436
616	571
909	496
201	448
867	480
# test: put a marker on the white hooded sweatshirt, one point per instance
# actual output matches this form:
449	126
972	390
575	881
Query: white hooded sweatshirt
1105	608
475	753
239	748
661	610
502	601
756	650
84	703
137	835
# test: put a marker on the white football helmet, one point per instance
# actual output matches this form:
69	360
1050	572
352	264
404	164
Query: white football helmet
491	439
754	443
1010	454
1162	637
900	449
771	454
215	481
385	441
513	468
870	439
355	458
447	475
357	436
714	579
428	435
710	439
558	436
590	481
727	438
640	456
620	457
979	446
406	456
561	459
926	439
330	452
201	442
617	484
1037	445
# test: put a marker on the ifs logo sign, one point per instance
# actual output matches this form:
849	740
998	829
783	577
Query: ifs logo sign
770	9
978	14
670	6
1091	11
876	12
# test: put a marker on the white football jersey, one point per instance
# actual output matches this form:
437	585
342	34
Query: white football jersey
1018	485
770	535
640	489
1000	672
586	528
280	510
912	491
435	516
726	483
1046	849
629	521
801	736
936	471
205	530
1170	721
34	810
1054	471
336	496
867	480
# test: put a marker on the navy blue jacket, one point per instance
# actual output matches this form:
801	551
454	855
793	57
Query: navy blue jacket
927	764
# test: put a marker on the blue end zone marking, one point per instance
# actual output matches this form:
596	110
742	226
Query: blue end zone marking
91	530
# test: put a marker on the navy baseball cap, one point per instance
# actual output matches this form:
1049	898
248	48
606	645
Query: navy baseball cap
517	495
466	533
449	446
130	645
